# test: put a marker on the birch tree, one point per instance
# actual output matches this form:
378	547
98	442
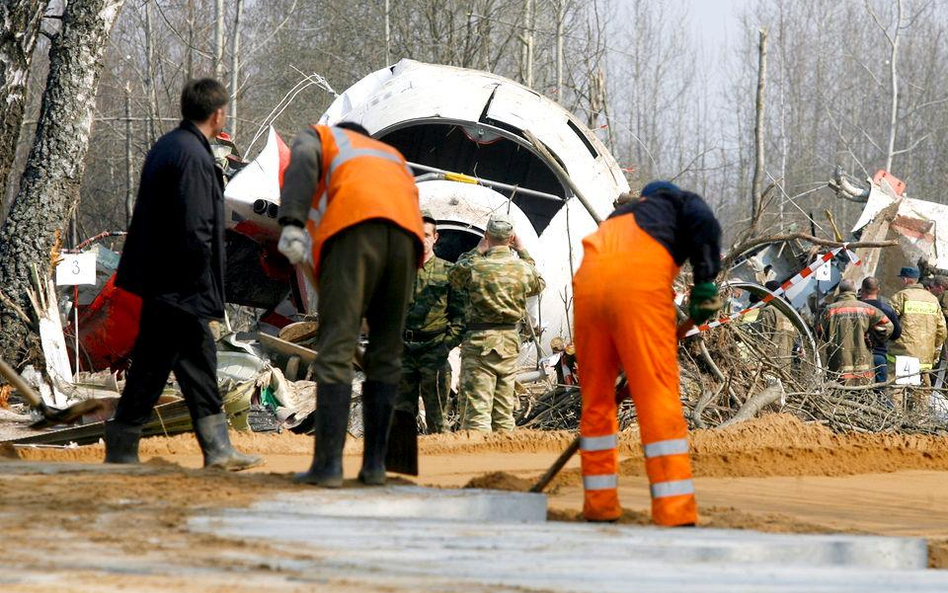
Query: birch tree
20	22
49	189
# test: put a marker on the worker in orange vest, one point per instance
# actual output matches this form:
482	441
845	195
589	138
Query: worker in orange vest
349	208
625	318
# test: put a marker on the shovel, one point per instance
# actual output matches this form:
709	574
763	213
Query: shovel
51	416
622	392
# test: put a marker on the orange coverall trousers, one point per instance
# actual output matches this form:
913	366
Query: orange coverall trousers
625	318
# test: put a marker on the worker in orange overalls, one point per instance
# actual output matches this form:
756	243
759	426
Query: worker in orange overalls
349	208
625	318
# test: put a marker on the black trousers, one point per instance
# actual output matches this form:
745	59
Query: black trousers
170	339
368	271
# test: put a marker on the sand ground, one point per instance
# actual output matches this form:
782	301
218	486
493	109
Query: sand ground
772	474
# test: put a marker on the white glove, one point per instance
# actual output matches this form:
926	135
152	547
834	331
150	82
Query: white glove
295	244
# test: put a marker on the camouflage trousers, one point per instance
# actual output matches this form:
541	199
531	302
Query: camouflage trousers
488	364
426	374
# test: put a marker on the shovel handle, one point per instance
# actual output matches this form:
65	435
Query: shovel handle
20	385
622	392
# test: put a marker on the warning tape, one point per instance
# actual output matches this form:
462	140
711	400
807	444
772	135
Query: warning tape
799	277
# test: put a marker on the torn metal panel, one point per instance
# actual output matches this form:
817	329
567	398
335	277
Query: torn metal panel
914	223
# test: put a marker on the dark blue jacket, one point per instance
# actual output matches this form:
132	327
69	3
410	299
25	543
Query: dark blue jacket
883	348
684	224
174	251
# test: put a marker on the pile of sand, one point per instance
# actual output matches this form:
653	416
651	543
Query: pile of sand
500	481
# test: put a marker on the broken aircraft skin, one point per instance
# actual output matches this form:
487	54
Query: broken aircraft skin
462	131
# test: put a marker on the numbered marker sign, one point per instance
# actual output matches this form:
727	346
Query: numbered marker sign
76	268
907	369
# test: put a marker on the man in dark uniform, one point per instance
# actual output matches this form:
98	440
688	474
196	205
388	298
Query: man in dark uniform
174	260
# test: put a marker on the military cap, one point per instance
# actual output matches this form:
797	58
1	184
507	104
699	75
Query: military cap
427	216
909	272
499	226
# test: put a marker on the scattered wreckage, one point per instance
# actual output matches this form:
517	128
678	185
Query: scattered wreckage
479	143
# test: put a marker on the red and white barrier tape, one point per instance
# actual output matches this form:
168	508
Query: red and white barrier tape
799	277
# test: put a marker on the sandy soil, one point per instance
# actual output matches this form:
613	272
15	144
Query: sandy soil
772	474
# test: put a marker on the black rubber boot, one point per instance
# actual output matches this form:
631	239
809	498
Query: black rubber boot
212	435
121	442
378	402
332	422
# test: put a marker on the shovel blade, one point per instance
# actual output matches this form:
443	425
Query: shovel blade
70	415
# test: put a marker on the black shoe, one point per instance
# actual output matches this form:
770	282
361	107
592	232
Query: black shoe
121	442
332	422
378	401
212	435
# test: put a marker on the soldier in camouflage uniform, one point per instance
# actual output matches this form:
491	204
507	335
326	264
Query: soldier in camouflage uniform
496	284
432	328
938	288
777	328
845	326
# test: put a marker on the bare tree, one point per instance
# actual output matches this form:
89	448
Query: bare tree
20	22
49	191
758	182
893	39
235	67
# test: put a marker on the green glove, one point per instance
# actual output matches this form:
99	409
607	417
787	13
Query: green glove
704	302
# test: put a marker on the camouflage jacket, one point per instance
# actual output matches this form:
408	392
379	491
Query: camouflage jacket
496	285
844	327
923	325
435	307
779	330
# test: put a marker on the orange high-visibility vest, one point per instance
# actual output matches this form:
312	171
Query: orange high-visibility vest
362	179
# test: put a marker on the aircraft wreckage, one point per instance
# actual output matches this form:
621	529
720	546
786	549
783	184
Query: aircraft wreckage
467	135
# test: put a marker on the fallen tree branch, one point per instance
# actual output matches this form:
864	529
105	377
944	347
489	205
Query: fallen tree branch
755	404
752	243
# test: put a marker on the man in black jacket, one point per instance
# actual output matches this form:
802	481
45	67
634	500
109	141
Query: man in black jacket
174	260
869	294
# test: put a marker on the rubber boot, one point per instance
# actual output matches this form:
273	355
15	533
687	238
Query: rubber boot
378	402
332	422
121	442
212	435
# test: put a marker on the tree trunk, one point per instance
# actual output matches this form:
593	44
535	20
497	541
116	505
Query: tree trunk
235	68
49	189
129	182
758	181
19	29
894	87
219	40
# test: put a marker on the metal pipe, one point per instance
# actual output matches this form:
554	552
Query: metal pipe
462	178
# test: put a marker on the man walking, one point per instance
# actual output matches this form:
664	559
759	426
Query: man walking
847	326
497	284
869	294
349	209
433	327
923	332
625	317
174	259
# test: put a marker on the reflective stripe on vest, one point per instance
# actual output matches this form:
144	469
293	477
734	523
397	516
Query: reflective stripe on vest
347	153
601	482
669	447
603	443
920	307
675	488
